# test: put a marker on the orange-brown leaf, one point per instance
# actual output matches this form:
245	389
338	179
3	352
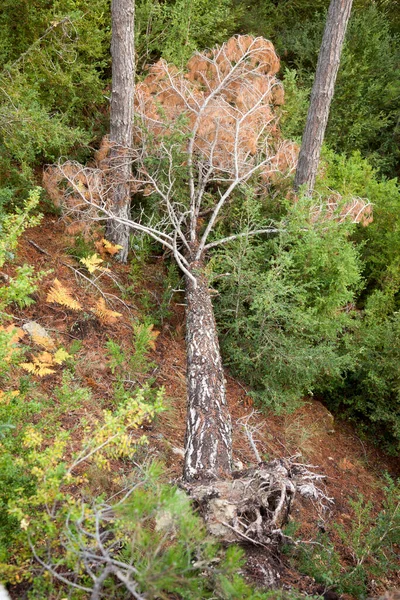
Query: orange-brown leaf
104	314
62	295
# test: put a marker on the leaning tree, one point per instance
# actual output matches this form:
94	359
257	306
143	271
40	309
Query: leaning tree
322	93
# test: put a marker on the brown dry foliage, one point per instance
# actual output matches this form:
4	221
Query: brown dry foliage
228	90
227	94
357	210
104	314
72	188
58	294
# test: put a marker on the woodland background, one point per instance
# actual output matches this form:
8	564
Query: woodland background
311	313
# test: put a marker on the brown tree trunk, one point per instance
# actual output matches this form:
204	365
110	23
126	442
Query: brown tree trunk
121	119
208	445
322	93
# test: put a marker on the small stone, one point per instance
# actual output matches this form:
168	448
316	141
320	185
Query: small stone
35	330
179	451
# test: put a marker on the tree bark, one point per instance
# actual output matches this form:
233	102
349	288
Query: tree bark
121	119
322	93
208	444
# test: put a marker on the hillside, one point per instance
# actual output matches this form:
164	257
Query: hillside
352	465
199	300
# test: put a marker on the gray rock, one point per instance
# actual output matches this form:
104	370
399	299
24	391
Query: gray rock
35	329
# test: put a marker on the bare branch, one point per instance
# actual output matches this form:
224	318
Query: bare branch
250	430
51	569
230	238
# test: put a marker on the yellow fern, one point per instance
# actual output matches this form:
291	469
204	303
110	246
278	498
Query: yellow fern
110	248
62	295
5	397
104	314
40	365
60	356
43	341
43	363
92	263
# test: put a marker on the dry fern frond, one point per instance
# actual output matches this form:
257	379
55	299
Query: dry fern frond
40	365
104	314
149	333
92	263
44	342
153	335
17	333
106	247
77	227
61	295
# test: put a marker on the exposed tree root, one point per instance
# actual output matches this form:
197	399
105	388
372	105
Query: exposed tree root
255	504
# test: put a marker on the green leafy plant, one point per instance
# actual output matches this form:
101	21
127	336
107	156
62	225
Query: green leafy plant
281	308
18	288
117	356
145	337
370	541
50	481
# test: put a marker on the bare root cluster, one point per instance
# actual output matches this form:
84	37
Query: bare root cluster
254	505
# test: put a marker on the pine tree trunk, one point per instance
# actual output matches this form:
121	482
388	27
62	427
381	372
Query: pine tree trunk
208	445
322	93
121	119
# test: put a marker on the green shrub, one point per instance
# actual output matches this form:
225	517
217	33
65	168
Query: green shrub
175	29
19	287
365	106
52	62
369	392
370	547
380	241
281	311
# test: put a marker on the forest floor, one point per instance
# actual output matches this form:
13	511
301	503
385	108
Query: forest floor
351	465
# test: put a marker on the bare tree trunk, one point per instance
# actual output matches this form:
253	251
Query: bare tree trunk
121	118
208	446
322	93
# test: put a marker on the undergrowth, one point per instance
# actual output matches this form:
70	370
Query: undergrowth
81	501
347	558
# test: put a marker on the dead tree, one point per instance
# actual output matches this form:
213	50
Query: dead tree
121	119
199	135
218	118
322	93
